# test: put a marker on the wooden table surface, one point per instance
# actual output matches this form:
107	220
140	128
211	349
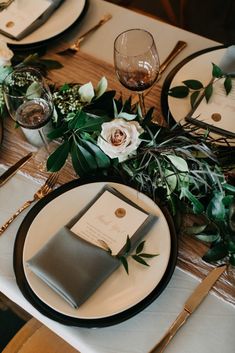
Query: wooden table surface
83	68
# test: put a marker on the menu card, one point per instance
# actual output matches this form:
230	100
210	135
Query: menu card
217	114
110	219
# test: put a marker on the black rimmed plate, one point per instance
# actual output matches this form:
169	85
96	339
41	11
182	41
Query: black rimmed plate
121	296
62	19
197	66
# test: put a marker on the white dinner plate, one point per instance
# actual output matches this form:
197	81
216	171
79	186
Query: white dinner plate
198	67
61	19
121	295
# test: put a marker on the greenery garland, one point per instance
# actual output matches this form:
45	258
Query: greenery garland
175	165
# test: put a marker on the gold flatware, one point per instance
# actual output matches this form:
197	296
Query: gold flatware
76	46
44	190
13	169
189	307
180	45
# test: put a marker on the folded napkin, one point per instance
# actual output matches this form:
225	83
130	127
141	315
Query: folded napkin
22	17
74	267
217	115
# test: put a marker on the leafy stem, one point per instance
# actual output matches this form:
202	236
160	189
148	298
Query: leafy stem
139	256
195	88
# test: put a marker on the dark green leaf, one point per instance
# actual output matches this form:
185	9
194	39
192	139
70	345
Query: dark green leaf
86	157
193	98
231	246
140	260
127	247
58	132
197	205
102	159
148	256
193	84
78	161
140	247
125	263
215	208
179	91
228	84
196	229
216	71
208	92
58	158
217	252
51	64
232	259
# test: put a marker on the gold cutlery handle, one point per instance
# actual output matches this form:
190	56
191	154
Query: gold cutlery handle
180	45
162	344
99	24
11	219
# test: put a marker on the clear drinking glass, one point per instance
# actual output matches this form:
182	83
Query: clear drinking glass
29	102
136	61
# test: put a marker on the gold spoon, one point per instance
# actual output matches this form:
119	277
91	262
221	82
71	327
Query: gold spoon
76	46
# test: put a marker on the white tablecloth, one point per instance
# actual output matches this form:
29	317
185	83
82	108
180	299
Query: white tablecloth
211	327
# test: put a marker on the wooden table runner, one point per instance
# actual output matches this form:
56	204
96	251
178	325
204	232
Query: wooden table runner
83	68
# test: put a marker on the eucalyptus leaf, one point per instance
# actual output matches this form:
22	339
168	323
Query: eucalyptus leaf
126	116
193	84
196	229
178	162
207	238
178	91
58	158
231	246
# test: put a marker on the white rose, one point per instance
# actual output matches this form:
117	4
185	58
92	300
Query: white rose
120	138
5	54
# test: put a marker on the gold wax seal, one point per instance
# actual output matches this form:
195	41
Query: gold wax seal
216	117
120	212
10	24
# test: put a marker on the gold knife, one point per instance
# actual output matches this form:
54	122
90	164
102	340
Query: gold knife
13	169
189	307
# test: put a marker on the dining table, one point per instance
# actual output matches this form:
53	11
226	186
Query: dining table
211	326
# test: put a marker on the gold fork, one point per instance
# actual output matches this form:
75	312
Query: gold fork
76	46
40	193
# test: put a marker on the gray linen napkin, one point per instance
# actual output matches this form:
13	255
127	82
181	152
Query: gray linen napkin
75	268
